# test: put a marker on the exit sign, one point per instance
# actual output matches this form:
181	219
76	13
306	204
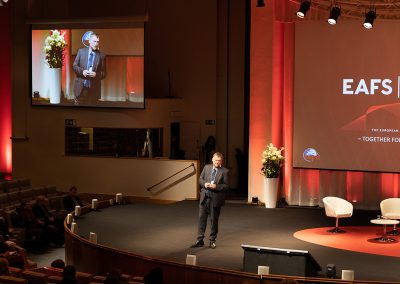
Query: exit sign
70	122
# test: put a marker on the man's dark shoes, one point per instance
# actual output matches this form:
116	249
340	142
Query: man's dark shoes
213	245
198	244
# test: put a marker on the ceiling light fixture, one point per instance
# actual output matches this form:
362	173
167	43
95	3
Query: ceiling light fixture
369	19
304	7
334	15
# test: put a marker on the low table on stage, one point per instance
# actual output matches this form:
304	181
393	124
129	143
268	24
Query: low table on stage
384	238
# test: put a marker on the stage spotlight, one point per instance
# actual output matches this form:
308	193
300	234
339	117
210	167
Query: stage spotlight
254	200
260	3
304	7
334	15
369	19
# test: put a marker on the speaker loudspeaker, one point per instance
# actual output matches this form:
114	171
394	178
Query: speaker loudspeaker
331	271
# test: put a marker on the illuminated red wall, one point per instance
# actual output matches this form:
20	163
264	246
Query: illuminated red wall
5	90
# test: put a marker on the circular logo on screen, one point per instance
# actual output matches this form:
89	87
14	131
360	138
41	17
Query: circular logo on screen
310	155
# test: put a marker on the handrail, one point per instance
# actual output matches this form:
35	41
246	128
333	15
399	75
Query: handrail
154	185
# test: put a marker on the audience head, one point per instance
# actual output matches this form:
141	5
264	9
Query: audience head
58	263
41	199
155	276
24	205
113	277
73	190
4	266
69	274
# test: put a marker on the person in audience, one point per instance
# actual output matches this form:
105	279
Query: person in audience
72	199
15	255
58	263
4	266
155	276
69	275
53	227
114	277
35	236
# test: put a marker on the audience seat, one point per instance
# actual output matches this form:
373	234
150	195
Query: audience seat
337	208
82	277
14	271
54	279
390	209
12	280
136	280
34	277
98	278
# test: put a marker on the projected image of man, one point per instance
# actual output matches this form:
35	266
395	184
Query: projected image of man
90	68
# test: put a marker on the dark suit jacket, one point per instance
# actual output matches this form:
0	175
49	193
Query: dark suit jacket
222	182
41	212
69	203
80	64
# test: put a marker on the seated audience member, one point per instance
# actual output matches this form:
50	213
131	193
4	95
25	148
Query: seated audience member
4	230
4	267
58	263
72	199
155	276
69	275
35	235
53	227
15	255
114	277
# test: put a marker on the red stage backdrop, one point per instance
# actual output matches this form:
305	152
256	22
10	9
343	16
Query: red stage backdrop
5	90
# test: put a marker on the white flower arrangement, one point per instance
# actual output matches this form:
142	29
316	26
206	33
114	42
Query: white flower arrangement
54	46
272	161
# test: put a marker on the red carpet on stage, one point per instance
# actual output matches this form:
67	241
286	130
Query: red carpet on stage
355	239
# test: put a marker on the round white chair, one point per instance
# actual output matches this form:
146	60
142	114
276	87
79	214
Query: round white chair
390	209
337	208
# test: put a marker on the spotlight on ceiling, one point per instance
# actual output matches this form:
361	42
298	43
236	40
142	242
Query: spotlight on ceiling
369	19
260	3
334	15
304	7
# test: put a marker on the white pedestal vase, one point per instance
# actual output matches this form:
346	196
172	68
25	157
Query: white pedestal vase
271	192
55	85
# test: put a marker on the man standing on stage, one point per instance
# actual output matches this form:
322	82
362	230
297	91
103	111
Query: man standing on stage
214	181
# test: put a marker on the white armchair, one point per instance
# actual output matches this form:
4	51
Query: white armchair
337	208
390	209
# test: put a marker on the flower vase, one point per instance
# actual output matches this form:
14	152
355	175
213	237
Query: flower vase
55	85
270	192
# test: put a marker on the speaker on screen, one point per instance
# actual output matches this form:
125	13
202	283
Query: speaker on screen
280	261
